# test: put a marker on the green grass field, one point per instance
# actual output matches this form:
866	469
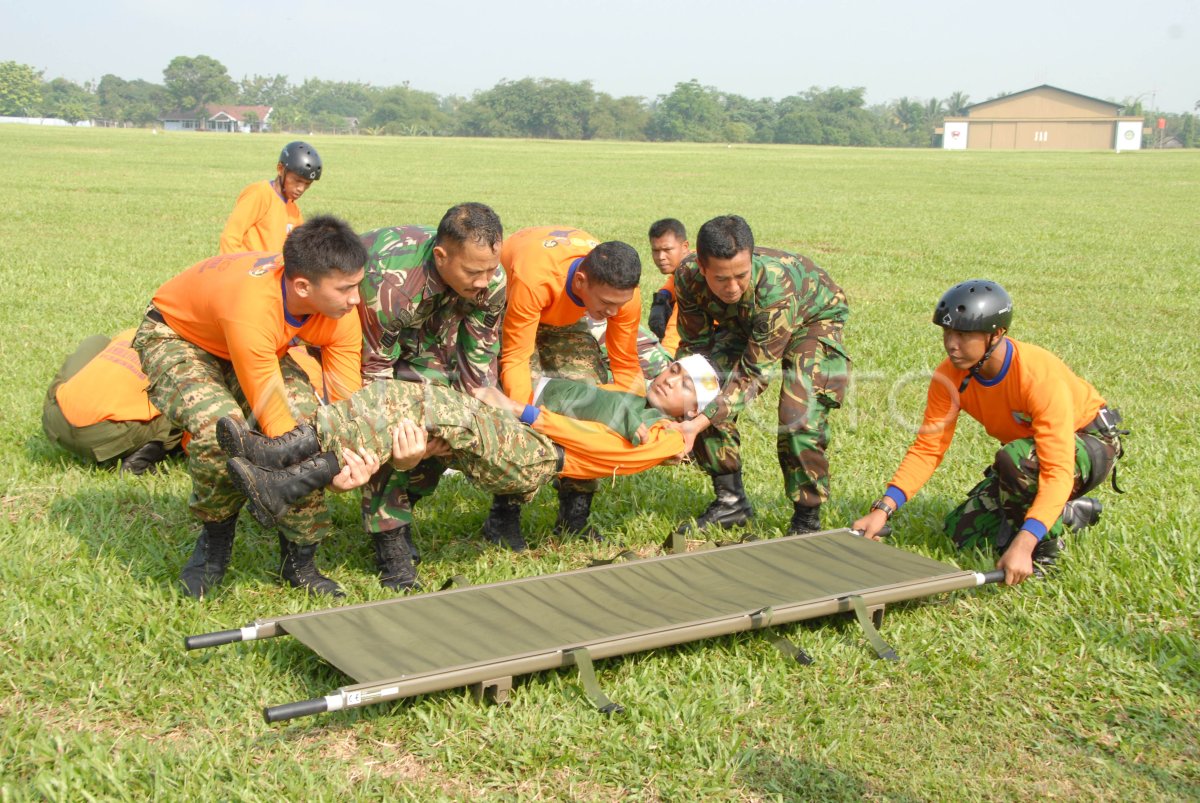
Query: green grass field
1083	687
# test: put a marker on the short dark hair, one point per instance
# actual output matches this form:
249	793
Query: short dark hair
322	246
668	225
614	263
470	221
724	237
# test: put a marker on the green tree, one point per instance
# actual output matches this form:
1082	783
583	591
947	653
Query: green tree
20	89
68	101
617	118
400	110
956	105
691	113
263	90
138	102
195	82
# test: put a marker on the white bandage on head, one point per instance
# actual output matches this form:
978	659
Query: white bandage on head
704	378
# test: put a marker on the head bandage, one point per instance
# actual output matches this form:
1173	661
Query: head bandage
704	378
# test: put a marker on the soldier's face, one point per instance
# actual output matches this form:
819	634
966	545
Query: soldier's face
602	301
332	296
728	279
291	186
964	348
467	268
672	392
668	251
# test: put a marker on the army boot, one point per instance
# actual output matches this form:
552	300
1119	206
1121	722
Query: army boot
206	568
299	569
272	492
394	559
574	507
729	509
238	440
805	519
503	525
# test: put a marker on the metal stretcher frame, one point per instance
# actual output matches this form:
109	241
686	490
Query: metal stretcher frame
488	634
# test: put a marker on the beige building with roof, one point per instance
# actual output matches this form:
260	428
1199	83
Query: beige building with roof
1043	118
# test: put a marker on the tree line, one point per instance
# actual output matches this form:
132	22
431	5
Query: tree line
544	108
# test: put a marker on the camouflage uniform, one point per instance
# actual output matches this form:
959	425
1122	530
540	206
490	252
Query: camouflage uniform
995	509
790	318
194	388
417	329
491	447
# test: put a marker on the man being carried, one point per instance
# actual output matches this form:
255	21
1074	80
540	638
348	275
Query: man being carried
557	277
1060	439
431	310
752	312
266	212
505	448
213	344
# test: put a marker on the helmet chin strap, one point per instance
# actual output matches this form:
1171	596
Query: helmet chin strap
974	370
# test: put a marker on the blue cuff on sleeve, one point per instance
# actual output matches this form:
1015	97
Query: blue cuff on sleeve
530	414
1036	527
896	495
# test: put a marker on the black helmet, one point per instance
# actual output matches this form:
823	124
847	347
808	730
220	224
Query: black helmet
974	306
302	159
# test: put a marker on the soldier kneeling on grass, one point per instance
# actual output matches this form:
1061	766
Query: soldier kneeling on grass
1060	438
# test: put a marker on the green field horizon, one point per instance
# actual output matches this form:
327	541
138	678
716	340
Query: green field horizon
1083	686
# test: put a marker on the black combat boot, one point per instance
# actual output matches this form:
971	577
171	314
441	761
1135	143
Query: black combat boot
272	492
394	559
1082	512
729	509
805	519
300	571
503	525
144	459
574	507
206	568
238	440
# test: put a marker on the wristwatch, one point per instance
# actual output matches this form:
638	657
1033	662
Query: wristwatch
887	509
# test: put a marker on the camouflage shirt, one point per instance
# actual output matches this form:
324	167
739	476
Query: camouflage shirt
788	294
417	328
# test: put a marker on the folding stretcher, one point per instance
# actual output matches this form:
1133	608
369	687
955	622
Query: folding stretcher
483	636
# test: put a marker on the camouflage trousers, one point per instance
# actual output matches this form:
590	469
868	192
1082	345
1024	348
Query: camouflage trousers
815	374
194	388
491	447
995	509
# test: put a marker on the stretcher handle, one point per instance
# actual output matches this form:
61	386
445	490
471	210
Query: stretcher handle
884	531
212	639
994	576
304	708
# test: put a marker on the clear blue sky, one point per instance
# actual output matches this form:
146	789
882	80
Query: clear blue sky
760	48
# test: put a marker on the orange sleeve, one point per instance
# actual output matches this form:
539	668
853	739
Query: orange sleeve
342	359
933	438
592	450
519	338
253	344
312	368
251	207
620	339
1053	415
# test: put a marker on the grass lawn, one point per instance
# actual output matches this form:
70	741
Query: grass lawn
1085	686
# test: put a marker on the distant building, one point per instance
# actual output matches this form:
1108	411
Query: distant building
220	117
1043	118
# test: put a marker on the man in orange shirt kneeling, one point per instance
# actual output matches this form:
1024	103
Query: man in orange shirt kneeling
1060	438
214	343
